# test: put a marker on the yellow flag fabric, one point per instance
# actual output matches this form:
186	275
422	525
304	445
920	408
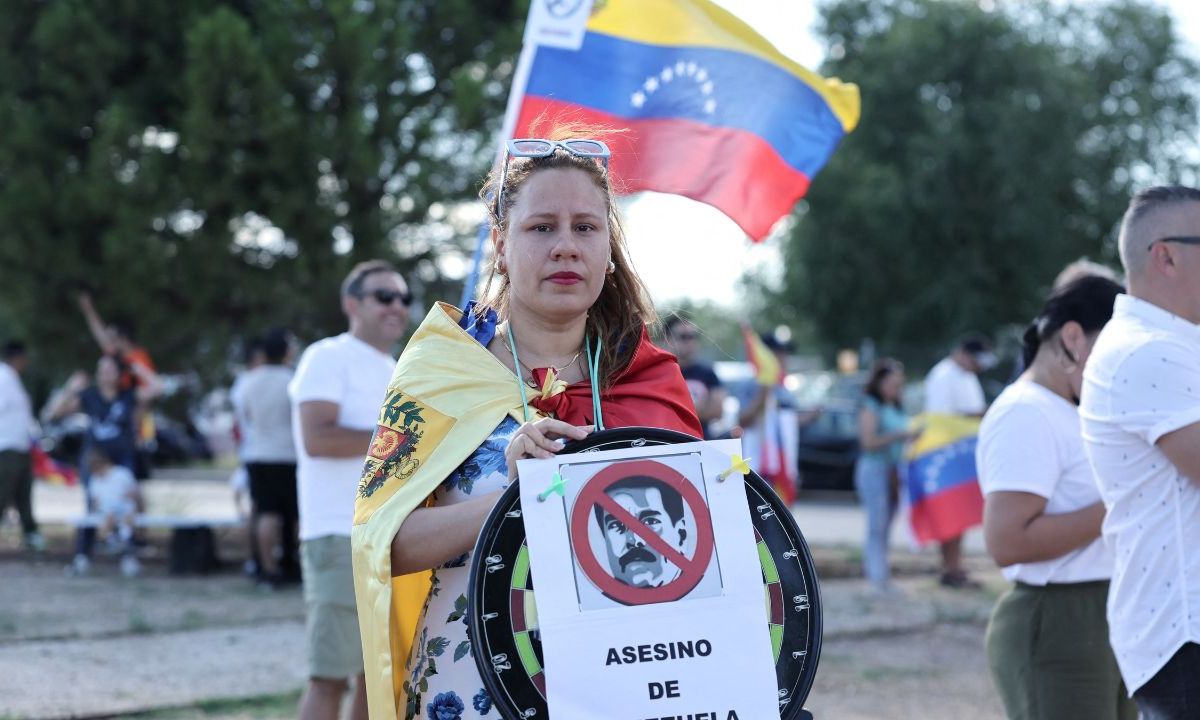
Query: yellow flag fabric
704	24
939	430
767	370
447	394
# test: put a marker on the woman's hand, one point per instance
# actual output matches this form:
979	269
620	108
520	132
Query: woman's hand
540	439
77	382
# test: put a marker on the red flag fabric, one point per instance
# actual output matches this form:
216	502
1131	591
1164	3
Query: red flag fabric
50	470
649	393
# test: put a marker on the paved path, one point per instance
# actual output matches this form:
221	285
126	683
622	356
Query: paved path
832	519
837	519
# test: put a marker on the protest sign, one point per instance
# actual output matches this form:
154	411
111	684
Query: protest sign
649	585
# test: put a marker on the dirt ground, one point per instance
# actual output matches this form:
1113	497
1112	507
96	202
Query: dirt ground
218	647
939	674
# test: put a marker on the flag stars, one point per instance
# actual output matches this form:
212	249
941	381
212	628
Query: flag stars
698	80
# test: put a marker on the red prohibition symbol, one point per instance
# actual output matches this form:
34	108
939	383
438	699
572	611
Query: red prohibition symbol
593	495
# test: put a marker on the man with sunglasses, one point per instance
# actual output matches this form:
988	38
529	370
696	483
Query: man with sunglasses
683	339
336	393
1140	410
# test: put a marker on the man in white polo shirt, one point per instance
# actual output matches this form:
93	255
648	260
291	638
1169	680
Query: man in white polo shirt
336	393
1140	408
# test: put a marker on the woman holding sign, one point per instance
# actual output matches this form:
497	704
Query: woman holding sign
558	347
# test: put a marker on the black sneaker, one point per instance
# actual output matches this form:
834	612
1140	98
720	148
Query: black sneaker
959	580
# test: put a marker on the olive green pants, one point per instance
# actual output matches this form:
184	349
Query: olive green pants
1049	654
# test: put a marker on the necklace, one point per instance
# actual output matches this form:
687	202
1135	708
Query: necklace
556	368
593	370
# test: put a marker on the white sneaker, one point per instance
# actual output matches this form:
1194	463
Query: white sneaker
81	565
130	567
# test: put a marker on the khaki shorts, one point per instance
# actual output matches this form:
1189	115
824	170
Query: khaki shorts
334	646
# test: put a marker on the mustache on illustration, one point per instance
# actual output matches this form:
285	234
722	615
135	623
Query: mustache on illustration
637	554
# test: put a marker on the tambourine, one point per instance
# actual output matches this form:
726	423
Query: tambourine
503	621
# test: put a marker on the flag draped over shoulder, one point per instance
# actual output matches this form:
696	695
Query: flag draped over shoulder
714	111
939	478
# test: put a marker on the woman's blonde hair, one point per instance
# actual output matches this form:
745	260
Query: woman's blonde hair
623	309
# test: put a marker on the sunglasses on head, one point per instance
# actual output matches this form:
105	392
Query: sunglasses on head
539	148
387	297
1181	239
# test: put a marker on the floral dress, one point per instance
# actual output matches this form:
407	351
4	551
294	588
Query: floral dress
442	682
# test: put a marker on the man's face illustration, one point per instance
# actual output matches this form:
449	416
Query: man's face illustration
630	558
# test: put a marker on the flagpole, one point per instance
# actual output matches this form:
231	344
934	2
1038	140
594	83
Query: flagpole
511	112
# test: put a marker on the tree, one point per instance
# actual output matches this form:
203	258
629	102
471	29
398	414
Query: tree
995	146
213	167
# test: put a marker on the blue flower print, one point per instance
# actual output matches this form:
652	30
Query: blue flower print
445	706
481	702
487	459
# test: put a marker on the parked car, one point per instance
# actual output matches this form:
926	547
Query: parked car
828	447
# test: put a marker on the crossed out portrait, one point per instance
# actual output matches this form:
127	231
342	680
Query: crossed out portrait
640	531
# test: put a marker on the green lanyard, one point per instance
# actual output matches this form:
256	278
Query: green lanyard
593	377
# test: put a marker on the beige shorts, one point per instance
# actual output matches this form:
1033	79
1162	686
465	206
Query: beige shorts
334	645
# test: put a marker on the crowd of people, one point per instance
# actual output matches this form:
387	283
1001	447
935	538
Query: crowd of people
1087	459
1091	469
116	400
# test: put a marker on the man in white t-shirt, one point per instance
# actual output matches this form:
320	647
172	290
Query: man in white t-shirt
269	453
1140	408
16	433
336	394
952	388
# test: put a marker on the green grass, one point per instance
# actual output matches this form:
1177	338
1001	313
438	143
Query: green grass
269	706
876	674
192	619
138	624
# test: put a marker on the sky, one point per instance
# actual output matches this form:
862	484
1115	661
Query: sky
684	249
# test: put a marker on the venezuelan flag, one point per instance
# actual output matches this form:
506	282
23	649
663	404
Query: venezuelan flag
767	442
714	111
47	469
940	480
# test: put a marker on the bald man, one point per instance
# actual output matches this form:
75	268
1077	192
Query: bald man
1140	411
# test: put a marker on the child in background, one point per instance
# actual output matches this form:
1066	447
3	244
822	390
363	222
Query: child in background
114	495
